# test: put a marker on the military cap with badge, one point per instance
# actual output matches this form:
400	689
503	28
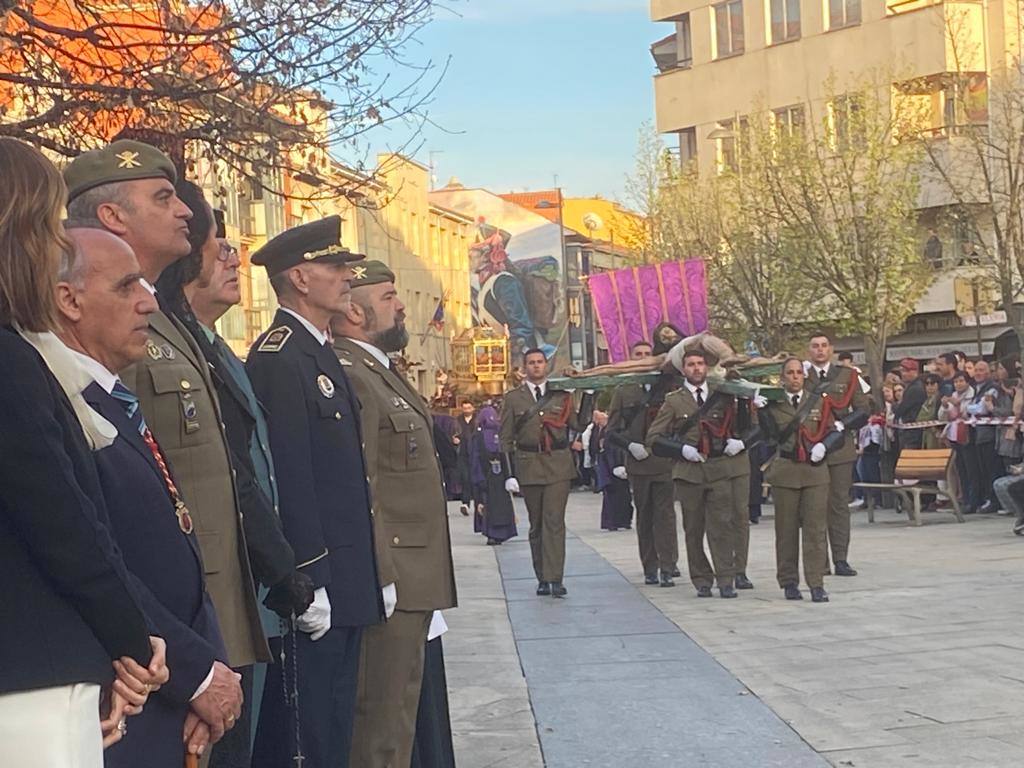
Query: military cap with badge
372	272
123	160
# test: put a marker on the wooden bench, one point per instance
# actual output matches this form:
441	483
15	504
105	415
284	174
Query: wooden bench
926	467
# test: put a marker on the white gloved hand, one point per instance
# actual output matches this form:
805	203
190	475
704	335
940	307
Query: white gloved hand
839	426
691	454
390	595
817	453
620	472
317	619
733	446
637	451
512	485
759	401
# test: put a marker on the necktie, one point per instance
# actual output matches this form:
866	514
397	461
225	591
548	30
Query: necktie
536	392
130	403
821	374
796	400
700	397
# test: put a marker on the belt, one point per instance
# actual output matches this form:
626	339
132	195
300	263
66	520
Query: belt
791	455
538	449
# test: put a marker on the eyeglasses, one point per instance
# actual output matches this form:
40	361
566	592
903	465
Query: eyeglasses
227	252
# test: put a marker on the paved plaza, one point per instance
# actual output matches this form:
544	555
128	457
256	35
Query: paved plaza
918	661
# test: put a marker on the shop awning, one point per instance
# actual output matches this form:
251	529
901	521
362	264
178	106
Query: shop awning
928	344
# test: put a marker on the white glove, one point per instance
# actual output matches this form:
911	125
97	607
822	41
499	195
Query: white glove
733	446
839	426
638	452
619	472
317	619
759	401
512	485
390	595
691	454
817	453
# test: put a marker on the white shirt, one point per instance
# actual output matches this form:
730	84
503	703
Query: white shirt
820	368
789	397
319	335
542	387
97	370
693	389
377	353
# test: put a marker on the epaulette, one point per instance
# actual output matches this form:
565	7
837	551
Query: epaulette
275	340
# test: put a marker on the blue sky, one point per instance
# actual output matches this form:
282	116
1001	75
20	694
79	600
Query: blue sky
537	88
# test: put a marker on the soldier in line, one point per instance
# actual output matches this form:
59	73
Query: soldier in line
632	411
699	431
535	424
851	408
799	425
322	484
407	487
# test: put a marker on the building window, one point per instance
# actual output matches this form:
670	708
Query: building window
732	141
728	28
687	146
843	13
847	123
941	105
684	48
789	121
785	20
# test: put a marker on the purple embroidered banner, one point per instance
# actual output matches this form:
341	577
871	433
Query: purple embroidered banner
631	302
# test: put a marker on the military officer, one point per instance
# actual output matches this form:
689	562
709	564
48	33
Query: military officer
127	188
632	410
407	487
799	424
316	441
701	432
851	408
535	424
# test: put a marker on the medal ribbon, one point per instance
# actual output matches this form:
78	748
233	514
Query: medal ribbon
184	517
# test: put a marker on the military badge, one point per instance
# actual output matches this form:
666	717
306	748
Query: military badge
275	340
167	351
344	361
413	446
153	351
326	385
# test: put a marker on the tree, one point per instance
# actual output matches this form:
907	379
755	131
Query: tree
263	86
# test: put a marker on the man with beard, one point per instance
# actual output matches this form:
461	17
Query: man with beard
413	544
316	442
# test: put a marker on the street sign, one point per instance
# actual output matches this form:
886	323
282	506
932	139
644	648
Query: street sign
989	318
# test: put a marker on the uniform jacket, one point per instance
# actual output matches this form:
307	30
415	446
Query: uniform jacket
181	408
167	569
69	607
839	380
406	483
677	407
270	555
909	409
785	471
533	465
630	415
322	483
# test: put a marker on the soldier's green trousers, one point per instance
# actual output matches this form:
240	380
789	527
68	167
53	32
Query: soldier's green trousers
546	507
800	513
710	509
655	523
840	482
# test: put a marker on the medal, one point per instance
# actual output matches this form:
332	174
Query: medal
184	517
326	385
153	351
167	351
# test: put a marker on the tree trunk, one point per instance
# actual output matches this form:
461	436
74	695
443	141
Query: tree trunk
874	355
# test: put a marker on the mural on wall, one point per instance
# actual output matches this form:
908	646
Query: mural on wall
516	273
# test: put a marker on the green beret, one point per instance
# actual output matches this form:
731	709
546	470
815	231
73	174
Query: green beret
371	273
315	241
124	160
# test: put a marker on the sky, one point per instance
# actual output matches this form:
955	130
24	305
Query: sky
536	88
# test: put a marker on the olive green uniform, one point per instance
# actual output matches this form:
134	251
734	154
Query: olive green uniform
544	469
714	493
630	415
842	458
800	490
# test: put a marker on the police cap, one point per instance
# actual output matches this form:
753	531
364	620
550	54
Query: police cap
124	160
371	273
315	241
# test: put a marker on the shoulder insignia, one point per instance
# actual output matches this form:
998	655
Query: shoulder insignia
275	340
345	361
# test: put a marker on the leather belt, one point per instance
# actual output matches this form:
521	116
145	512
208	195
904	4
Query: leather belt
538	449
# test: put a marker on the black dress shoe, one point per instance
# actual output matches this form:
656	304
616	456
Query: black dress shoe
843	569
727	591
558	589
819	595
793	592
675	573
987	508
703	591
666	580
742	582
493	542
543	588
651	579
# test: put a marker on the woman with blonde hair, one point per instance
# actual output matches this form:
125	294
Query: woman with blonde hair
69	619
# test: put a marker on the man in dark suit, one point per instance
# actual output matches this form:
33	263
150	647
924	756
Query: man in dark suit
104	310
909	406
315	437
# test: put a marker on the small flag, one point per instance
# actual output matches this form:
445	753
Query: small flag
437	321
